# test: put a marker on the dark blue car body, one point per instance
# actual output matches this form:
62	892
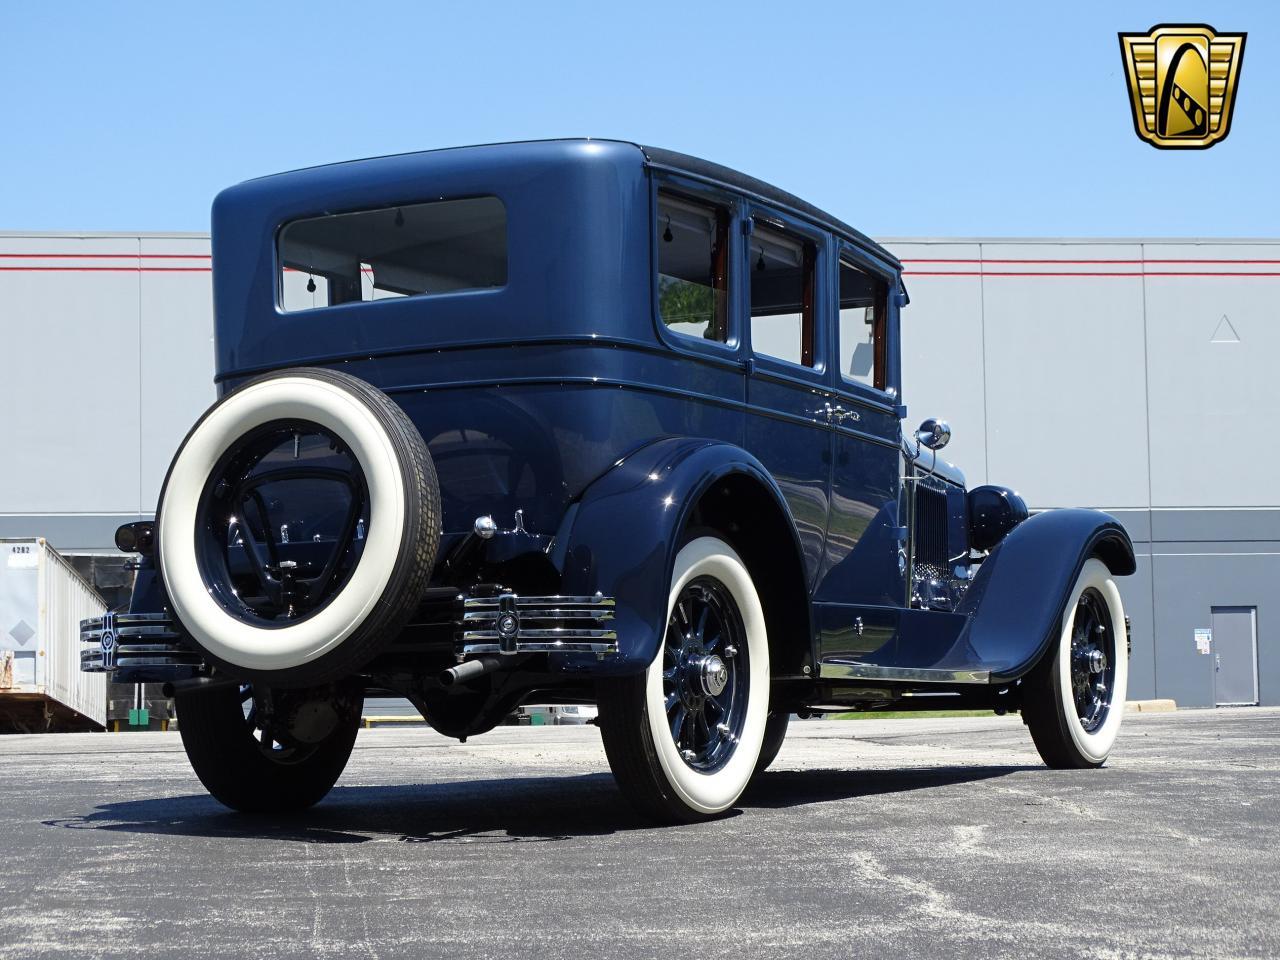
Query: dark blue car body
563	395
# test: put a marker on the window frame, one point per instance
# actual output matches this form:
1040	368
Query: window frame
888	396
816	245
730	350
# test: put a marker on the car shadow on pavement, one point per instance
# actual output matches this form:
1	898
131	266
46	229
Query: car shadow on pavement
520	809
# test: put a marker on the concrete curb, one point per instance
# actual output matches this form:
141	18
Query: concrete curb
1150	706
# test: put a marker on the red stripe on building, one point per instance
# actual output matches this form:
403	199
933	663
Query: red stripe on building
1088	273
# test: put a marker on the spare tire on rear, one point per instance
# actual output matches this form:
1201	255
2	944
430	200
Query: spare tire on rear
298	526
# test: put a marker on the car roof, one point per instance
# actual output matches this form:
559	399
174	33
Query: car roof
742	183
695	167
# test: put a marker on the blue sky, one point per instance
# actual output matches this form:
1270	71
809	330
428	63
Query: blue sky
906	119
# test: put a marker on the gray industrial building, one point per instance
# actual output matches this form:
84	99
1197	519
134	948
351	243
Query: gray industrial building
1128	375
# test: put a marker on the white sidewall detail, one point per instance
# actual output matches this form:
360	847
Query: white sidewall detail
283	398
715	792
1098	744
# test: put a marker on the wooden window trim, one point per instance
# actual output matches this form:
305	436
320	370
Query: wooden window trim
720	274
807	324
881	351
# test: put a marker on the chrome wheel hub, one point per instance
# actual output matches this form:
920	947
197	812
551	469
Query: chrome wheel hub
714	675
705	675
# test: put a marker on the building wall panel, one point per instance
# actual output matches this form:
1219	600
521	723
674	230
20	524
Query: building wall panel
943	370
70	384
1066	397
176	318
1210	377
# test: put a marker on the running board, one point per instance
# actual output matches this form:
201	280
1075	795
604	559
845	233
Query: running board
853	670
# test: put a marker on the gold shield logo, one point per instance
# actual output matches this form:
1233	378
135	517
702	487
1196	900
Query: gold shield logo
1182	83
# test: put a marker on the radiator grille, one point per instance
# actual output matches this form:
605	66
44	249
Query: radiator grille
931	526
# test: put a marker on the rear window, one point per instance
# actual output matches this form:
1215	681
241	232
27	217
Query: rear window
419	249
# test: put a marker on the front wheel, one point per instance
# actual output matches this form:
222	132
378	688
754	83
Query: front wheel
262	753
1073	700
683	738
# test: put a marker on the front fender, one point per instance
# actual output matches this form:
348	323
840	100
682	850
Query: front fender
624	531
1015	604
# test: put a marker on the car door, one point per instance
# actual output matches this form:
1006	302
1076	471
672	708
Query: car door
787	396
862	586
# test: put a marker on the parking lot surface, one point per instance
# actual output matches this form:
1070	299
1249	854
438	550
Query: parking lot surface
896	838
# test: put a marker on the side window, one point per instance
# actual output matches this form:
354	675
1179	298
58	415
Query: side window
862	326
693	268
781	296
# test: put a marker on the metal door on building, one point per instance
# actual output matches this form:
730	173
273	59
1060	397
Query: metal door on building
1235	655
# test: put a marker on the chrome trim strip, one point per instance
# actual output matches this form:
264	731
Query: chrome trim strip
491	603
850	670
549	633
88	635
555	646
127	620
537	613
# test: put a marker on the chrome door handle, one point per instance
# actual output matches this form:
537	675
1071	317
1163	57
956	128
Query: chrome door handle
841	414
824	412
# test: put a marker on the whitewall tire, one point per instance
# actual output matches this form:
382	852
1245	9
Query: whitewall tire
684	737
398	528
1074	699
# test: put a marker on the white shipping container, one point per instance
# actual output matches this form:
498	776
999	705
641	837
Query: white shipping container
42	601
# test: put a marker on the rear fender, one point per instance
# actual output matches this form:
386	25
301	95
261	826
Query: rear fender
621	537
1015	604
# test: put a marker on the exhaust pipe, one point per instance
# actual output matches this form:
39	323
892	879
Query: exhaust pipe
474	669
176	687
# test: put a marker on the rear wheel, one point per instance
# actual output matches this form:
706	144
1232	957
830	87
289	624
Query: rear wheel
683	738
1073	701
259	753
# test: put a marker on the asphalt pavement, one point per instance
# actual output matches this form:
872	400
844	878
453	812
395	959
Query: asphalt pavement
869	838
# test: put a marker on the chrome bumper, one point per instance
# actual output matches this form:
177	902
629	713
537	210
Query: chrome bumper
136	647
509	623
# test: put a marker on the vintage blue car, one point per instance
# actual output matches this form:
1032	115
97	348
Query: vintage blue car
583	421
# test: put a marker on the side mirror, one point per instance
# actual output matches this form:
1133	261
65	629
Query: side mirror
934	434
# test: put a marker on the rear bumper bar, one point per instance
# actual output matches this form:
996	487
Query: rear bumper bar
511	624
136	648
152	647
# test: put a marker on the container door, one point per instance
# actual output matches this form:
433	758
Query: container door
24	668
1235	648
20	608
